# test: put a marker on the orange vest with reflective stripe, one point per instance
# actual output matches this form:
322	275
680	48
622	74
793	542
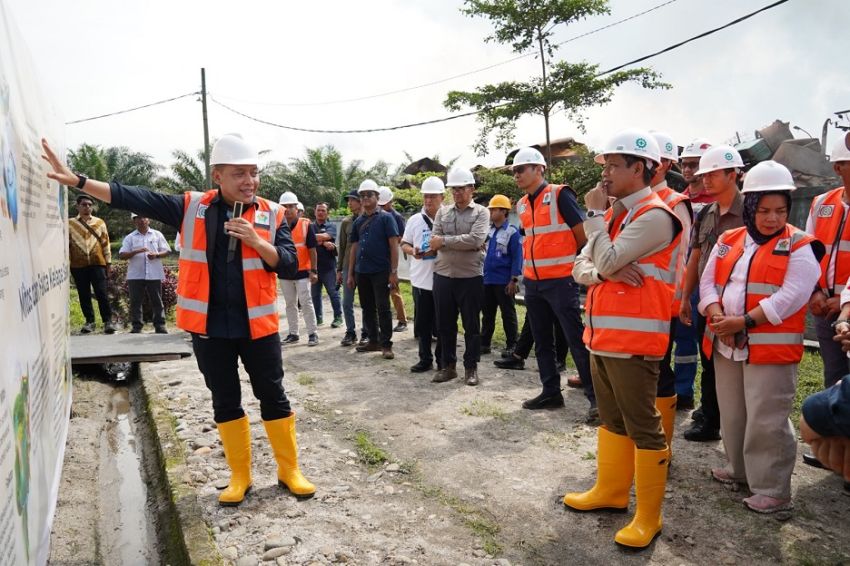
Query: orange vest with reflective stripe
549	246
831	228
193	283
768	344
635	320
672	199
299	238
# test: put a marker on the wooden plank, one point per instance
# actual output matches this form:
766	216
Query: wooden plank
122	347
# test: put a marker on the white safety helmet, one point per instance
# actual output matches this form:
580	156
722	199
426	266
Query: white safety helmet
459	177
666	146
288	198
385	195
719	157
696	148
768	176
300	207
529	156
631	142
368	185
231	149
433	186
841	150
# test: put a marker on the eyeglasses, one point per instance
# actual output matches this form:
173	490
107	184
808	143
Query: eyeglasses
520	169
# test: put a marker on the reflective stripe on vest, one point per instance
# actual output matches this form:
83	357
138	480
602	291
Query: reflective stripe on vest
831	228
635	320
549	246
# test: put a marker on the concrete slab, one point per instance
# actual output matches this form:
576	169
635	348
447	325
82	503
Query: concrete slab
103	348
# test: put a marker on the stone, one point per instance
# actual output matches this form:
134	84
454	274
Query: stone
175	382
230	553
393	468
222	483
275	553
690	541
247	561
285	542
375	477
479	553
202	451
341	488
293	513
502	562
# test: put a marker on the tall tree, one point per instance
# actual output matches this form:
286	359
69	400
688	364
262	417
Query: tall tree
571	87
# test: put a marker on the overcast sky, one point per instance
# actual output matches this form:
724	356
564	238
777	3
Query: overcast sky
275	60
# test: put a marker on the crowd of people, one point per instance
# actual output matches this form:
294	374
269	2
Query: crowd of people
713	274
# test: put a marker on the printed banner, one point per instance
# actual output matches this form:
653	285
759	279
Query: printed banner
35	371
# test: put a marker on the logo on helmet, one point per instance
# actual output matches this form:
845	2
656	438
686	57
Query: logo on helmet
669	146
640	143
728	156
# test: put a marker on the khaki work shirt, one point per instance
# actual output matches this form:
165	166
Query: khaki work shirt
711	224
463	232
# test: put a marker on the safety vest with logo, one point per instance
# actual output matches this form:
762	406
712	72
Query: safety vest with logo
193	284
299	238
672	199
831	228
549	246
768	344
635	320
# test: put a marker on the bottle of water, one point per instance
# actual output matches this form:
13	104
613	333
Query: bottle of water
426	243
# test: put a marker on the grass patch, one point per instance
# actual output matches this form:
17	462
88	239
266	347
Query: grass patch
480	408
369	453
486	529
305	379
589	456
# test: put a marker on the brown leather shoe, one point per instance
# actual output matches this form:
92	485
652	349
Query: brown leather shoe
388	354
574	381
446	374
472	376
369	347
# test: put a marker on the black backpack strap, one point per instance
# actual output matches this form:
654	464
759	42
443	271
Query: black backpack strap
427	221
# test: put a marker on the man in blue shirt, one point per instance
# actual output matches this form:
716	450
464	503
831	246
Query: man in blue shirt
374	255
385	201
326	256
502	268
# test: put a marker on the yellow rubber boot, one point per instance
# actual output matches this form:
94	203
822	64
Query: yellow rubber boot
615	461
282	437
236	439
650	481
667	407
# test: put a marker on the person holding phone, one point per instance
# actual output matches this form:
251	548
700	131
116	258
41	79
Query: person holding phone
754	292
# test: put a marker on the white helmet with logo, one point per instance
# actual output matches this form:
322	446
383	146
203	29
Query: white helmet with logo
385	195
666	146
841	150
529	156
433	186
300	207
696	148
368	185
460	177
768	176
288	198
231	149
719	157
631	142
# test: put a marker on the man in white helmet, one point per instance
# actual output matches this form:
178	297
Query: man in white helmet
629	266
226	299
552	224
458	237
416	242
690	164
296	287
385	201
720	168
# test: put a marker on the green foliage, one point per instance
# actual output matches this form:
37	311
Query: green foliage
581	173
494	182
369	453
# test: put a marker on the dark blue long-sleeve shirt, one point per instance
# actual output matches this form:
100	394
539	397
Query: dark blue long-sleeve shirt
228	309
499	264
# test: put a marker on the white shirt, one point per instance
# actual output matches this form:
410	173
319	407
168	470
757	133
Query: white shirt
421	270
801	277
140	266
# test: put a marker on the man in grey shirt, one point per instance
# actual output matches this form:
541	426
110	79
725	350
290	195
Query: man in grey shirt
458	238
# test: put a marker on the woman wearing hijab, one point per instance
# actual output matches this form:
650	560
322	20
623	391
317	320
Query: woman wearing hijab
754	292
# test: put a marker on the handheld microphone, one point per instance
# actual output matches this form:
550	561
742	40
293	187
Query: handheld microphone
231	245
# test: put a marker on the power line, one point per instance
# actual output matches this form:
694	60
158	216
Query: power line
474	112
453	77
132	109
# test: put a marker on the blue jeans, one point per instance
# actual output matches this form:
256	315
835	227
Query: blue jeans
687	354
328	281
348	305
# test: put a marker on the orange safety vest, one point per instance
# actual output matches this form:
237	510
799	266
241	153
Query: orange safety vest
635	320
549	247
193	283
299	238
672	199
831	228
768	344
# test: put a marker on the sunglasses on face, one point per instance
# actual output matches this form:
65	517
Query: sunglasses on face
520	169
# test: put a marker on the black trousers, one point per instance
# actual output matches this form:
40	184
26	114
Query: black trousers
495	297
85	278
525	342
153	288
374	292
218	361
425	325
454	296
667	377
708	389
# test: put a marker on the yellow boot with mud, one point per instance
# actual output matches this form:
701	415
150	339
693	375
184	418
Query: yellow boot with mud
236	439
667	407
650	481
615	460
282	437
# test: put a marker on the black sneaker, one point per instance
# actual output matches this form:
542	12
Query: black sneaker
363	340
486	349
544	401
420	367
507	353
290	339
512	363
108	328
313	339
697	416
810	460
161	330
348	340
702	433
87	328
400	327
136	330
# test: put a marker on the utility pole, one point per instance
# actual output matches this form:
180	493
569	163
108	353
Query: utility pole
206	129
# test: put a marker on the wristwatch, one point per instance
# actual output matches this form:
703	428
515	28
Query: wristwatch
839	321
81	181
748	321
593	213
